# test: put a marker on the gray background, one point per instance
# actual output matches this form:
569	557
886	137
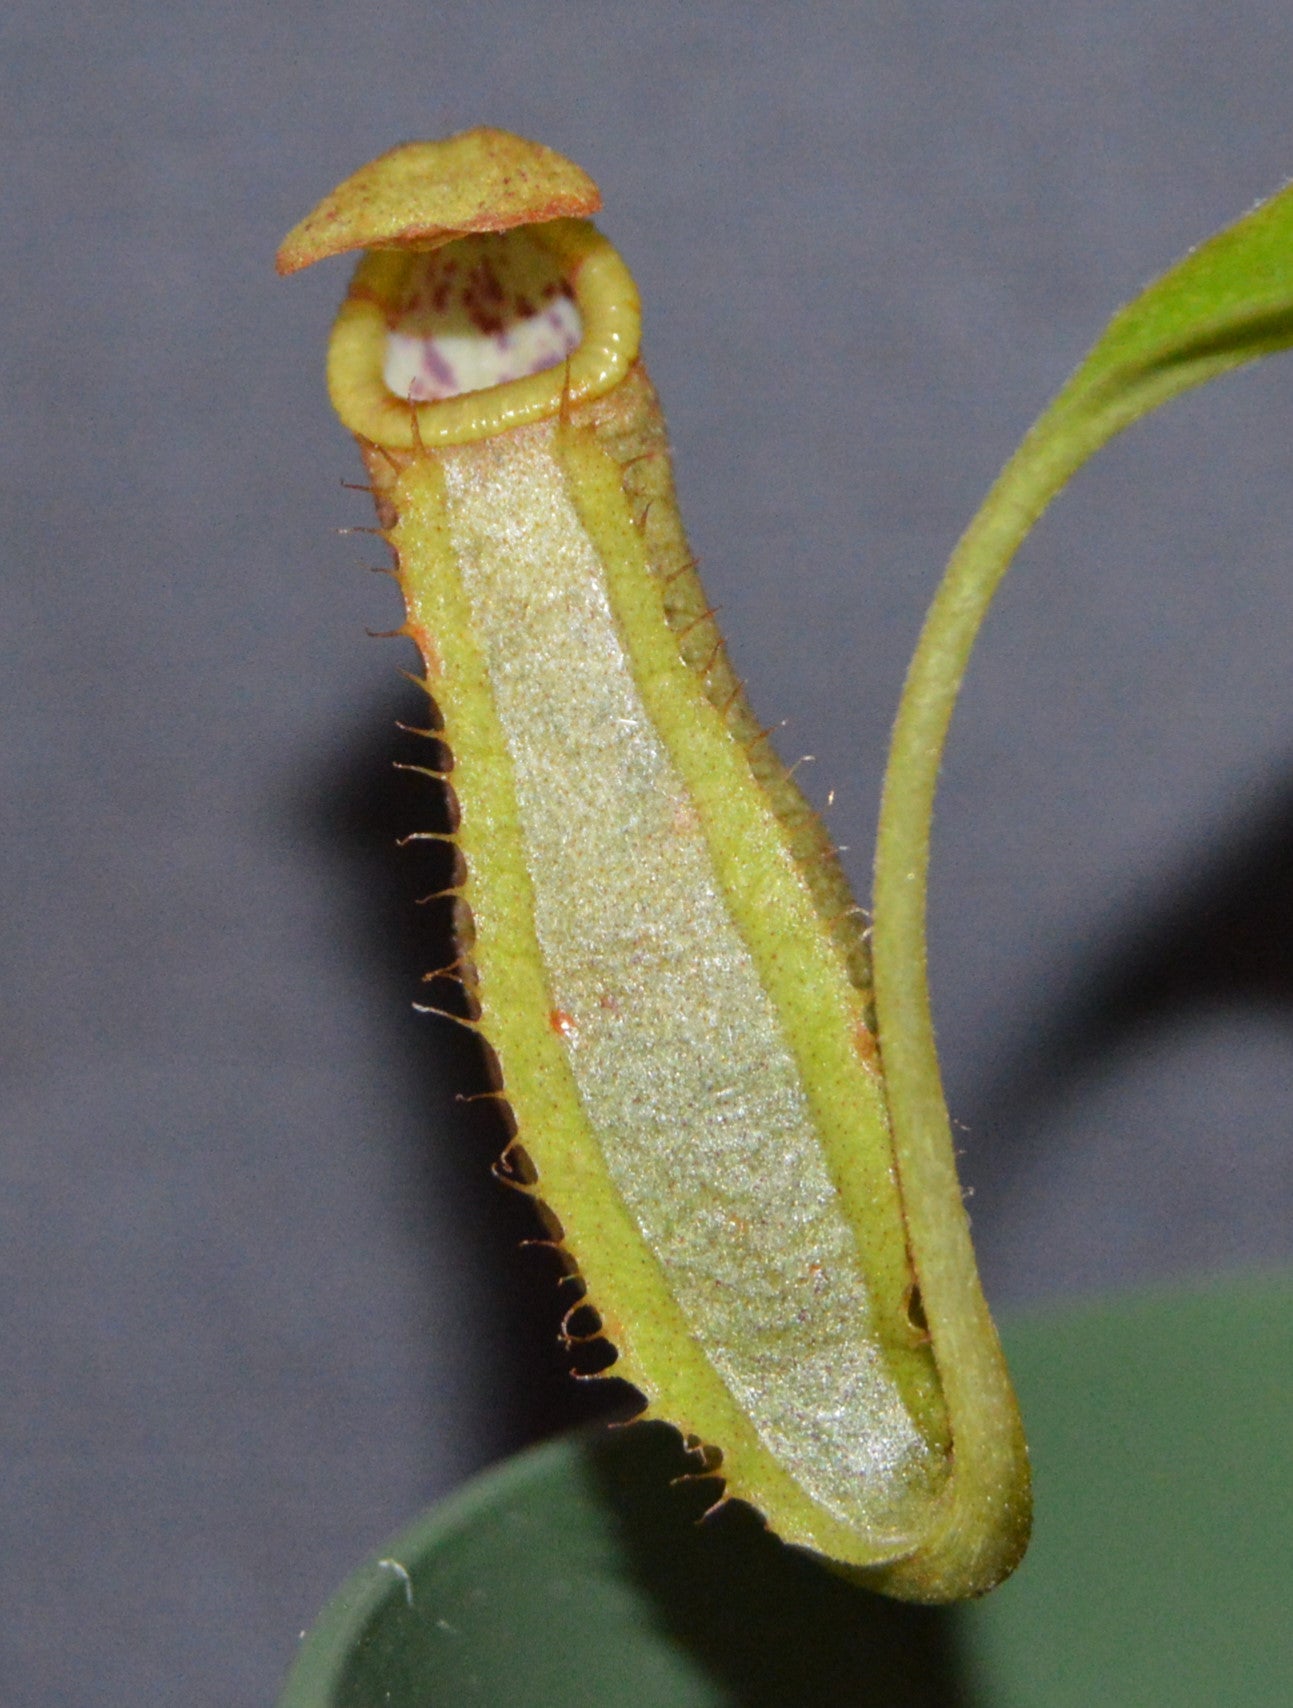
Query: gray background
262	1301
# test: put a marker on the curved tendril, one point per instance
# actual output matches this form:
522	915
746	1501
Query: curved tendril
1227	303
575	439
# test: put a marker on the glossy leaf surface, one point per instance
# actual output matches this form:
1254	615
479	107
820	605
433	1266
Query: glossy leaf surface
1160	1575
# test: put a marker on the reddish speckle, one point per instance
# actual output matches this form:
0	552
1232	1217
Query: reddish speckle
421	638
437	378
562	1024
864	1040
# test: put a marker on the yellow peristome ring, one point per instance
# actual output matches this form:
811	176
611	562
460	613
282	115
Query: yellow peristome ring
654	933
609	308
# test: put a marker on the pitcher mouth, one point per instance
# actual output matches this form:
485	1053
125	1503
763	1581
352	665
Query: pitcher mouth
480	313
484	332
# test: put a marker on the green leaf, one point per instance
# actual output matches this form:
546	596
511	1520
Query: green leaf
1160	1574
1228	302
573	1575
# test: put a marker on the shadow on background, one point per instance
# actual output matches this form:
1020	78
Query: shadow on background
360	807
579	1575
772	1627
1218	936
769	1625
